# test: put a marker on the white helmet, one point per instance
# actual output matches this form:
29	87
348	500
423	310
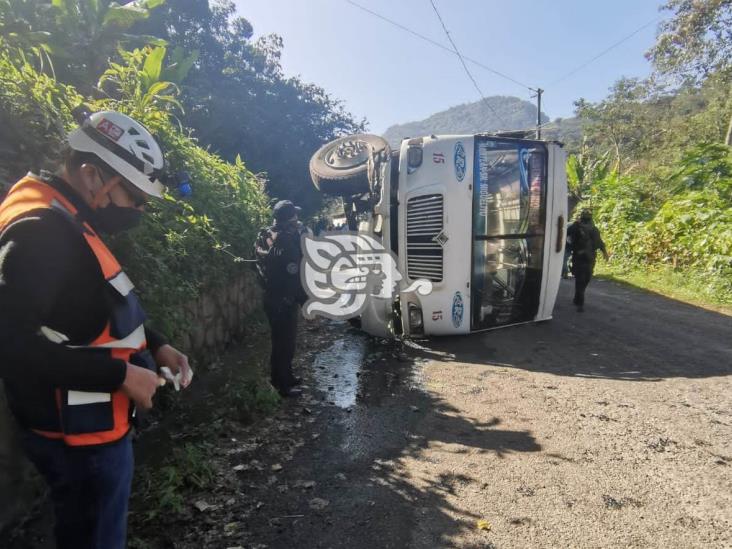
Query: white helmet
125	145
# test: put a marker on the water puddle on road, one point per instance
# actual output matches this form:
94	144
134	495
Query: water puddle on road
336	369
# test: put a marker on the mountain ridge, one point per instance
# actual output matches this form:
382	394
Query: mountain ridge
492	114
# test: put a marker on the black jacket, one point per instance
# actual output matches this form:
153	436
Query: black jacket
279	256
584	249
50	277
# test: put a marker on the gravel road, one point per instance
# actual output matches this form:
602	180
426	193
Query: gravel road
611	428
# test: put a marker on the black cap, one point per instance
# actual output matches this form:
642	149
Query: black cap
285	210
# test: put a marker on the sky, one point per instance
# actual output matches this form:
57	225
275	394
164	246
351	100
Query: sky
389	76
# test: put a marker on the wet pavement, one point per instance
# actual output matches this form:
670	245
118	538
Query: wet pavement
336	369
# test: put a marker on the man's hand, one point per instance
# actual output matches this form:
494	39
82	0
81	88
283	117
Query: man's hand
171	357
140	385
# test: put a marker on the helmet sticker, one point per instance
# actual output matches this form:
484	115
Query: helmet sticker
111	130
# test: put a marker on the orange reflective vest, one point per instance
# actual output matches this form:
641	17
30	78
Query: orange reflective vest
88	418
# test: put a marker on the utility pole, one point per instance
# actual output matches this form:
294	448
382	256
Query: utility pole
539	91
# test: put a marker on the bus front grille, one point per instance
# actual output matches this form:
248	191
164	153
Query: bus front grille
424	224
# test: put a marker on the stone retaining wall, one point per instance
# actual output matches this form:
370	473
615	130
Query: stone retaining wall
219	317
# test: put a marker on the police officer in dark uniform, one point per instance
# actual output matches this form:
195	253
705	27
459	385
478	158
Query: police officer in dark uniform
584	240
279	255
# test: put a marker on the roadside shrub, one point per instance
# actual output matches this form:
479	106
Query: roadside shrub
35	112
683	222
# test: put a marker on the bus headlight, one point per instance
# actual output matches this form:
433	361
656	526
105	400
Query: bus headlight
415	317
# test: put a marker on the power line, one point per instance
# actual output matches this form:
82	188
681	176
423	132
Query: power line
603	52
485	67
436	43
467	71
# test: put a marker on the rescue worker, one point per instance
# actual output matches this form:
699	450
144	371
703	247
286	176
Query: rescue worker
279	254
75	355
584	240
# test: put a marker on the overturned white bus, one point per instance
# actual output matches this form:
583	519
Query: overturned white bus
480	216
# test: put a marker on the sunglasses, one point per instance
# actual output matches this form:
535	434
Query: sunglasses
137	197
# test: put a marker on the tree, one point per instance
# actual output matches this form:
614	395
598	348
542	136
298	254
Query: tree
240	103
583	170
23	24
626	122
696	42
79	36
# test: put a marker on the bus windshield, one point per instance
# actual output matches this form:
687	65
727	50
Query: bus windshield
509	191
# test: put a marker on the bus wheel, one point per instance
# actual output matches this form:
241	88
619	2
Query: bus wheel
341	167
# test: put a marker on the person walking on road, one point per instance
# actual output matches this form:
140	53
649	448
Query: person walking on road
584	240
279	254
75	356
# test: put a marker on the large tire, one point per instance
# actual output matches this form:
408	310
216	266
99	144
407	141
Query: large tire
341	167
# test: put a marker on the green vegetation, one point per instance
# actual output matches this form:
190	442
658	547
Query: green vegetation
683	221
201	85
655	164
236	100
239	102
682	285
250	397
162	489
35	112
183	246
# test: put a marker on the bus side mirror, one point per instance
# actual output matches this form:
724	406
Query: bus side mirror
414	158
560	233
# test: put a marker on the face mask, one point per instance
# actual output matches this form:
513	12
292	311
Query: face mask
114	219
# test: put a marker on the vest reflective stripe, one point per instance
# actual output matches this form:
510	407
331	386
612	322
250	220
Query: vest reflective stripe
88	418
122	284
53	336
79	398
133	341
136	340
126	317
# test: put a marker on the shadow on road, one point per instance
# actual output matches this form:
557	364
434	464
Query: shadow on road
625	333
360	461
374	440
720	309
